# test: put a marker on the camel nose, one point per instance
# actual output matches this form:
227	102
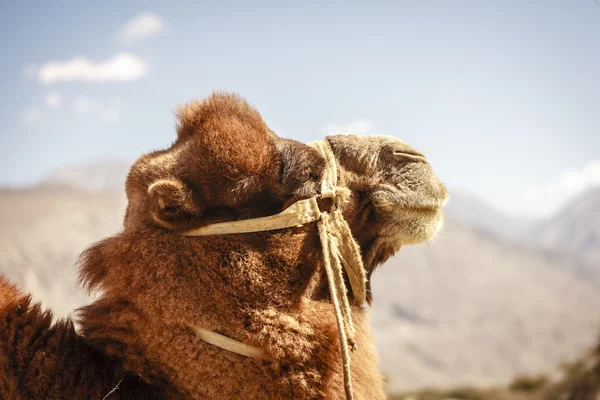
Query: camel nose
416	156
401	149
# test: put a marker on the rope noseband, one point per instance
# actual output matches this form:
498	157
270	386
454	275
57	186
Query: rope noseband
340	253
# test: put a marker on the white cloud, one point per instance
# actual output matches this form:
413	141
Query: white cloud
141	27
359	127
32	115
548	198
85	105
53	100
121	67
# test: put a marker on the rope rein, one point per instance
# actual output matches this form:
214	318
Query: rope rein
336	237
340	253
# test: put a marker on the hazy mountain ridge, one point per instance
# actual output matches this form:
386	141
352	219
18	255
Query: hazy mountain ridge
476	306
474	212
99	176
474	310
43	232
575	229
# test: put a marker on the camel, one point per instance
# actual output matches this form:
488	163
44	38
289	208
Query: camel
267	290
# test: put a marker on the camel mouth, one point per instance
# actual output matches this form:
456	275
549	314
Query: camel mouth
424	205
412	202
424	210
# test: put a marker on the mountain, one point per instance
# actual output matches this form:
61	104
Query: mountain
99	176
474	212
477	309
44	228
43	231
575	229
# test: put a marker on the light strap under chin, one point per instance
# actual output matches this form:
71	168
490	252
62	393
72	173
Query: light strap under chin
230	344
340	253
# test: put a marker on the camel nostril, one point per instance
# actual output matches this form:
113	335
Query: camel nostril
414	156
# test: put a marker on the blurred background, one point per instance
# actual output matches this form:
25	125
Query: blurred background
502	96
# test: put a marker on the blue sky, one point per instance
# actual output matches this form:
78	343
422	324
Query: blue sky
502	96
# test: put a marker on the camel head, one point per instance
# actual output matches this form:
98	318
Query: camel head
396	196
227	165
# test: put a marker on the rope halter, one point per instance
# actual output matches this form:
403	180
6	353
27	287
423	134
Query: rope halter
340	253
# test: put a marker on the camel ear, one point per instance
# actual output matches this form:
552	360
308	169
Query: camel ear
172	202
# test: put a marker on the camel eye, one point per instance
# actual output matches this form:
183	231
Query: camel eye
302	176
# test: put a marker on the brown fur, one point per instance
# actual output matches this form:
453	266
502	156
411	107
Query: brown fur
265	289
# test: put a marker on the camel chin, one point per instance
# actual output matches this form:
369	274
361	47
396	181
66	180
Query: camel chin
410	219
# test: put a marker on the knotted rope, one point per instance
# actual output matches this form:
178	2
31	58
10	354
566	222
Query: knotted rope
337	241
340	253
